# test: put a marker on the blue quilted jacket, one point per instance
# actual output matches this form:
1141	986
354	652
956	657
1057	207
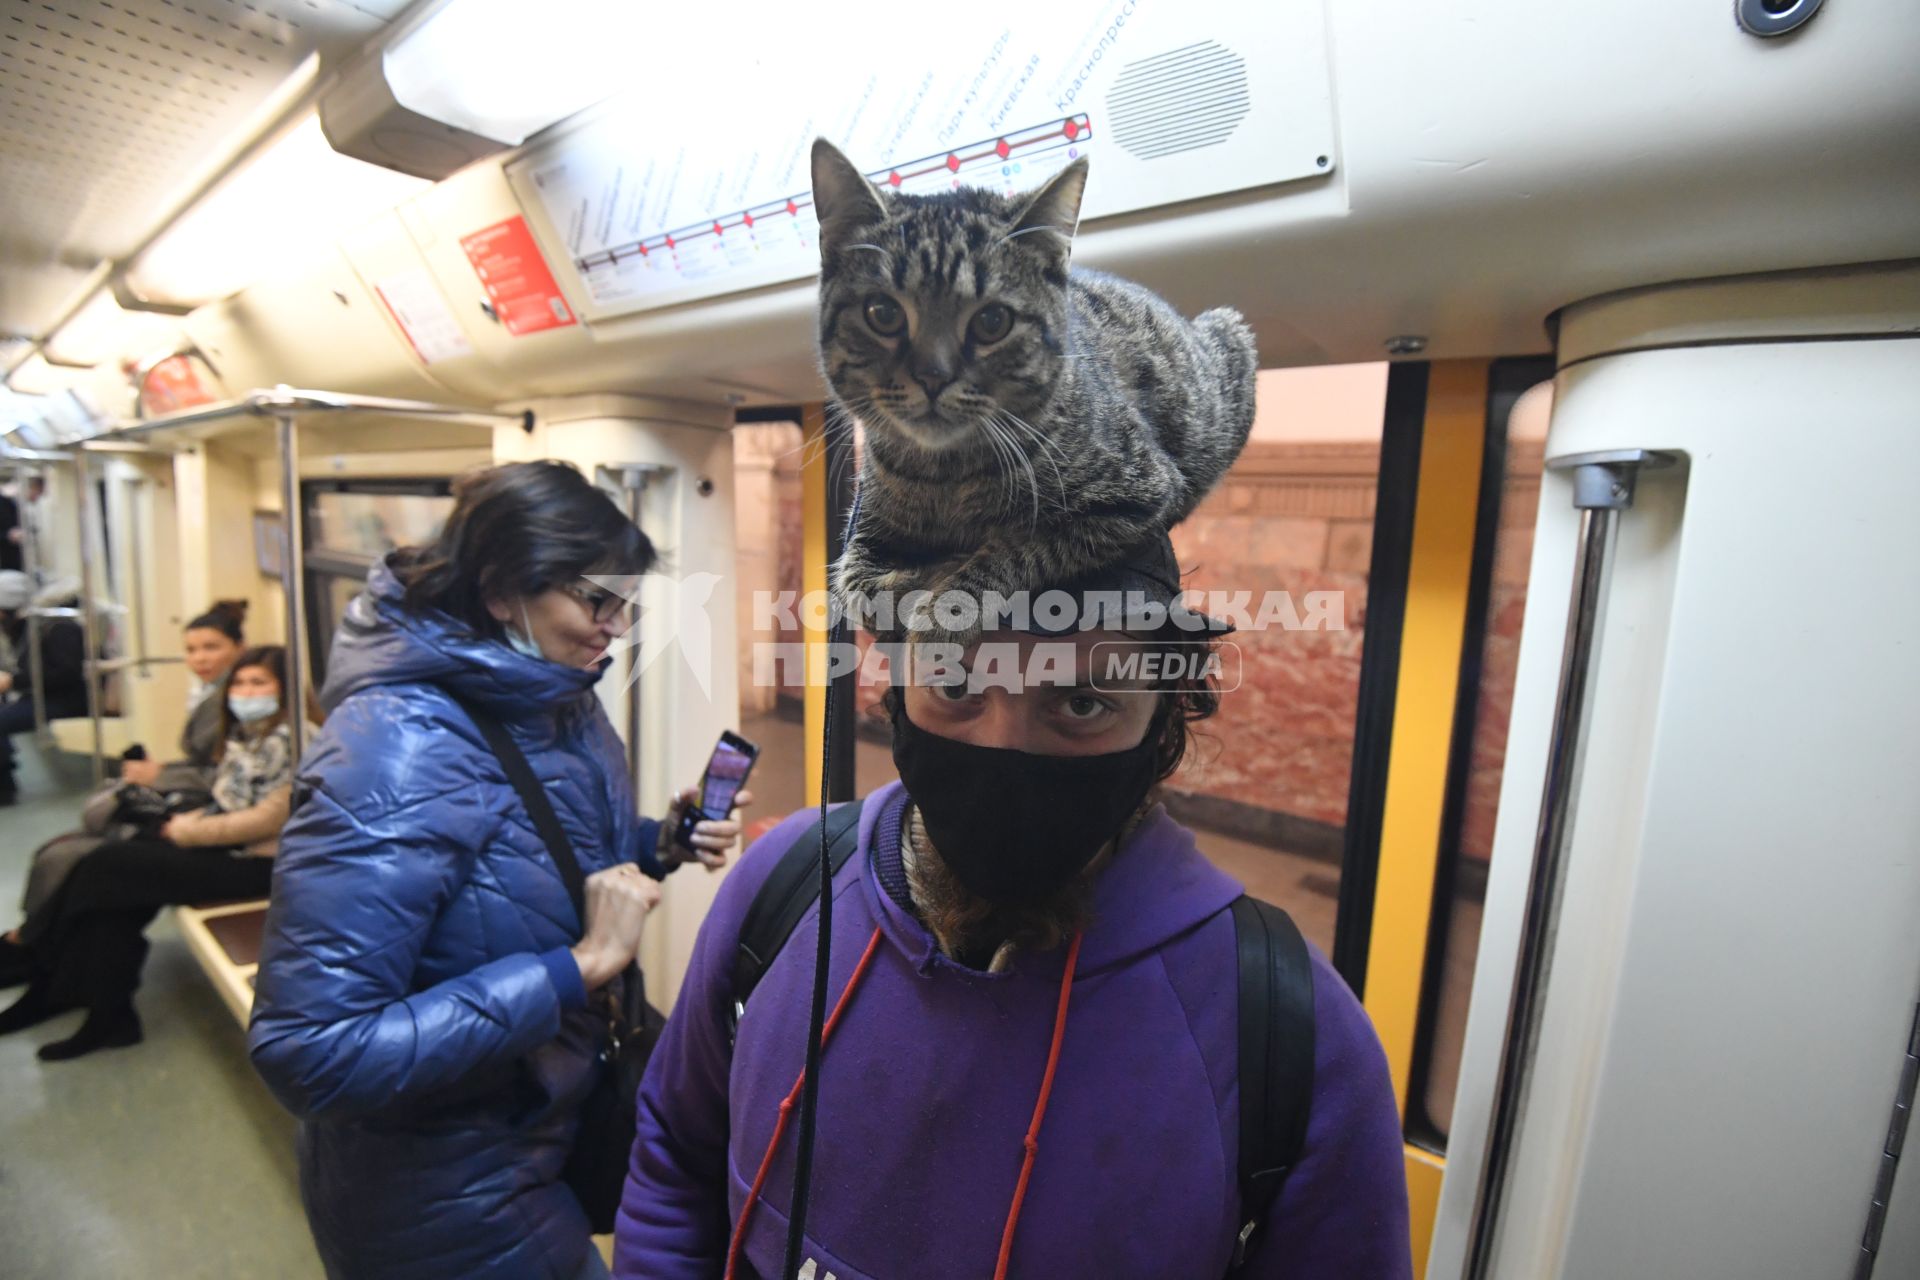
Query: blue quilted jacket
416	1007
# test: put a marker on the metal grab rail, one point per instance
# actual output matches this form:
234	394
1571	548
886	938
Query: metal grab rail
285	405
1603	485
30	560
283	400
632	479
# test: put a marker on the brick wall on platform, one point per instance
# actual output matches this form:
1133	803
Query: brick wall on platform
1298	518
1293	517
1506	605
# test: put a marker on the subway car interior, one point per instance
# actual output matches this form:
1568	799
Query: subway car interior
1581	461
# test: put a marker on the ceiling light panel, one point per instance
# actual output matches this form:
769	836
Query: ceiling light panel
291	199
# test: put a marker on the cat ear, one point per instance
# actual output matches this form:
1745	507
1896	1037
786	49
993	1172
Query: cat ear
1057	205
842	196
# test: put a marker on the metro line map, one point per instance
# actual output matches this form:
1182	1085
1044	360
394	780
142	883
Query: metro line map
644	211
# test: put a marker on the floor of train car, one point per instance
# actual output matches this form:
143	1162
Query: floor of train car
167	1159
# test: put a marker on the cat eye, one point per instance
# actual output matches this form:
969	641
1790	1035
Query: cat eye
991	323
885	316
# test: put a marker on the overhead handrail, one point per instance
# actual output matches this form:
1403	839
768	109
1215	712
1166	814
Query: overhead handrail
292	400
285	406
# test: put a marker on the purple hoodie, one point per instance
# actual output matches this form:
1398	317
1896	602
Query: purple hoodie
929	1083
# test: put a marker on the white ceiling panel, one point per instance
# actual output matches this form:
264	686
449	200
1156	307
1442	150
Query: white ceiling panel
107	108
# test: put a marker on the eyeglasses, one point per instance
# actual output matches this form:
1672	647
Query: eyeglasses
603	605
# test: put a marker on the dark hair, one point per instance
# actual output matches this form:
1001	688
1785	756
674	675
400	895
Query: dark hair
1189	699
272	659
228	617
518	530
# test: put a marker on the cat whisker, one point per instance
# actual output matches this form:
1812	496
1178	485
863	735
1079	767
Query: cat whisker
1050	452
1059	481
1045	226
998	430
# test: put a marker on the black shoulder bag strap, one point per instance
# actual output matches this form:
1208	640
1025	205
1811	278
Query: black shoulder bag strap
534	797
778	906
1276	1057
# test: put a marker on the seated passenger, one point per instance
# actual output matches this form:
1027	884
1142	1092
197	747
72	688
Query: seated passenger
213	641
90	942
1019	893
62	666
422	1002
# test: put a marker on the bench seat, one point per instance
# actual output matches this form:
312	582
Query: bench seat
225	938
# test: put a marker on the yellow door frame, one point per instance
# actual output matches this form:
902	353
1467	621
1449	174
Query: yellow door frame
1427	688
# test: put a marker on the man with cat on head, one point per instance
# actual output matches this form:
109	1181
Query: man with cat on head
1040	1062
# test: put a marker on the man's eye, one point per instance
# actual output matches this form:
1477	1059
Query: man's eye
885	316
1084	706
952	692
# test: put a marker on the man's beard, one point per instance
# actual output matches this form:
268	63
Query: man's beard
965	924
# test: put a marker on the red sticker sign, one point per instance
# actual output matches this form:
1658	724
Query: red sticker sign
519	287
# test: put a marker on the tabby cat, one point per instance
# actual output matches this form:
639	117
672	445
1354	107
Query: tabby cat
1025	421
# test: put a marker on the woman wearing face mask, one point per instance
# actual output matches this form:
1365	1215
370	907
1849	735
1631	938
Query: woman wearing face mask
89	945
1023	941
212	641
423	999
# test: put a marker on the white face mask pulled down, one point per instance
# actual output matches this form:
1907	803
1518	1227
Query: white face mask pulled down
524	645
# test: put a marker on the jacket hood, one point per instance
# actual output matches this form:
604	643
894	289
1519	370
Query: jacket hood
1156	887
382	641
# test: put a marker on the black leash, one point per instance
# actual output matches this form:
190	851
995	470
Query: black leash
816	1024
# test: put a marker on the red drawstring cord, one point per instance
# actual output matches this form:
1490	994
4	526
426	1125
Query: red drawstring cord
786	1108
1039	1110
1032	1142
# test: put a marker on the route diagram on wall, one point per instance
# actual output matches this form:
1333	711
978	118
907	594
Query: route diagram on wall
693	185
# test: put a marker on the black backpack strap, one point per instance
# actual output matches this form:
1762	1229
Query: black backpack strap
777	908
1276	1056
534	797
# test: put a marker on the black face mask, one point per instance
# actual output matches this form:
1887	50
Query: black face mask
1013	826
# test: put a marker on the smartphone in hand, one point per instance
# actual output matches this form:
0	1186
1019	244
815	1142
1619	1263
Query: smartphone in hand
727	770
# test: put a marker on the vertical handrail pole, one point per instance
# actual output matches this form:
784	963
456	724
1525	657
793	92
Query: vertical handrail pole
87	507
1603	486
634	481
136	579
293	564
30	559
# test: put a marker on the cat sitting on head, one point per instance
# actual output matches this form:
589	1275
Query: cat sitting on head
1026	420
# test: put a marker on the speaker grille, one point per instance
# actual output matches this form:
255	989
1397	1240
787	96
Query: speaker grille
1180	100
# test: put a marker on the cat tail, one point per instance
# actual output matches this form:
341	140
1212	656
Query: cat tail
1234	367
1228	339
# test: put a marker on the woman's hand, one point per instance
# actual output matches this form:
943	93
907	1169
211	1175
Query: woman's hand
711	839
618	900
140	772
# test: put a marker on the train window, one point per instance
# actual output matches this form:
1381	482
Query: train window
347	526
1474	782
767	550
1287	537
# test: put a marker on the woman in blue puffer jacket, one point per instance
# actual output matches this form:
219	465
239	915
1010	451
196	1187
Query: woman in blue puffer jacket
421	1003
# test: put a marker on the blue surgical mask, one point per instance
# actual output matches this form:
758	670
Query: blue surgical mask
248	710
523	644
